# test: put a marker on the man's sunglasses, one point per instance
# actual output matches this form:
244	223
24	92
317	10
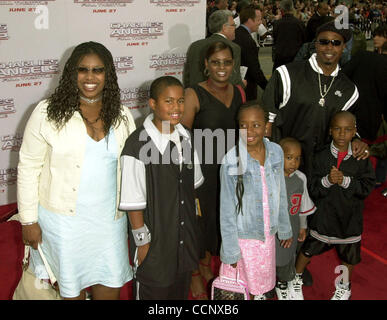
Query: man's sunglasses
93	70
325	42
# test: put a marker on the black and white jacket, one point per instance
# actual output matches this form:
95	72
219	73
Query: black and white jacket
339	217
292	98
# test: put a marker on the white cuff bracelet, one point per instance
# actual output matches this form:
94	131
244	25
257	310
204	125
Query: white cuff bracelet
141	236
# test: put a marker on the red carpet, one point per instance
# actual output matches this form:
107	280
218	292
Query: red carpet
369	278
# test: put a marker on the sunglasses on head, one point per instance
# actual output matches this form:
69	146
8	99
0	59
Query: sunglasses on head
98	70
325	42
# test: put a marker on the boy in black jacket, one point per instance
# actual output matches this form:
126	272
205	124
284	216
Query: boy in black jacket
339	185
160	171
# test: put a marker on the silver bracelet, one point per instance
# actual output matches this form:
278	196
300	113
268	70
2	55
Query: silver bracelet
141	236
28	223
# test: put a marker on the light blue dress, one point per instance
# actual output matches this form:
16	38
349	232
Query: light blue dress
91	247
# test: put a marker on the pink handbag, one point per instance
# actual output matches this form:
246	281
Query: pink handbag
225	287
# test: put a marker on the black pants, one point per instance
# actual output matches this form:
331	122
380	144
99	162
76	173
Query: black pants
347	252
179	290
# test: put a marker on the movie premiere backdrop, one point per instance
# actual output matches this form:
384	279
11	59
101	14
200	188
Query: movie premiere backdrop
147	38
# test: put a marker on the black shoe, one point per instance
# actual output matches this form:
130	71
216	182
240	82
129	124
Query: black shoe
270	294
307	278
378	185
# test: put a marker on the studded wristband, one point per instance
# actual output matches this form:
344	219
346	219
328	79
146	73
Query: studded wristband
141	236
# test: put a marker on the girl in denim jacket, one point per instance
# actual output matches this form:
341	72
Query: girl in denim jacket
253	205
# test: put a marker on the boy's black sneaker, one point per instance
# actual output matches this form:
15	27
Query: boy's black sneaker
282	290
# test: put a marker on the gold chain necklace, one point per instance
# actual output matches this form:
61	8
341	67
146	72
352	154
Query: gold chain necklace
321	102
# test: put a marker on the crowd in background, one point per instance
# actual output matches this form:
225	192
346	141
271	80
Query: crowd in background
183	209
366	15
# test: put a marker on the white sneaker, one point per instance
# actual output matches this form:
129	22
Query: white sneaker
295	288
342	293
282	291
260	297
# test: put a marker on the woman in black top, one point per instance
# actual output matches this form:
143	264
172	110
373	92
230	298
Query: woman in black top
212	106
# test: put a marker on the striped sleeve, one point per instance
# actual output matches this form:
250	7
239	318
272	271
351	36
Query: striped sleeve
351	100
272	95
346	182
325	182
286	85
199	178
307	204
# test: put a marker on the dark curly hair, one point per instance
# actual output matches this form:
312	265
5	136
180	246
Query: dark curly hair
65	100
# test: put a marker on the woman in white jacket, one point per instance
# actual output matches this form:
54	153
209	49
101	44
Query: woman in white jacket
69	178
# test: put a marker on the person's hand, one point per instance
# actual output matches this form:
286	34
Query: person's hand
32	235
301	235
335	176
360	149
286	243
142	253
332	175
234	265
244	81
340	177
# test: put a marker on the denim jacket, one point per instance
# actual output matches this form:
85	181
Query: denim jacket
250	224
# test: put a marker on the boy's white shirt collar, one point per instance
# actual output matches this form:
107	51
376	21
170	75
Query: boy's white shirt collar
335	151
161	140
315	66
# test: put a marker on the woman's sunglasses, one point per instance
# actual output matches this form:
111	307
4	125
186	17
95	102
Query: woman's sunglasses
218	63
325	42
93	70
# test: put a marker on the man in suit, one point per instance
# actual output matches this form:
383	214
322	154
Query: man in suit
251	18
368	72
223	27
288	34
316	20
219	5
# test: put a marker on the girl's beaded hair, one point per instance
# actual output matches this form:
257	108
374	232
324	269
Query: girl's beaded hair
240	189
